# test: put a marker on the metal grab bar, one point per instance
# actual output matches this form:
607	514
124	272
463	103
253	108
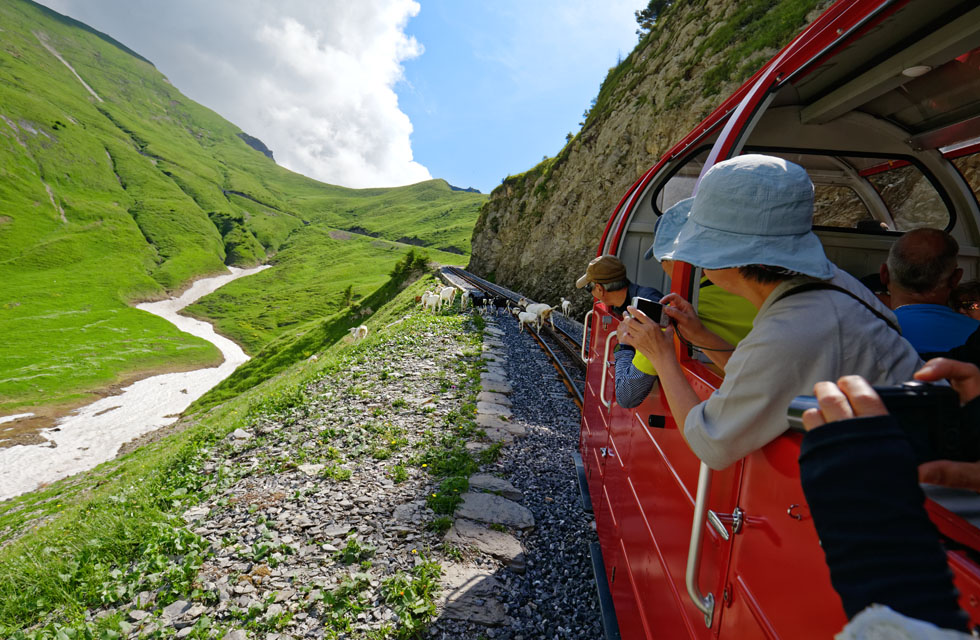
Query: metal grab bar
705	604
585	334
605	365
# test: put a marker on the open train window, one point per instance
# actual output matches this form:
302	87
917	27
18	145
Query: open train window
869	194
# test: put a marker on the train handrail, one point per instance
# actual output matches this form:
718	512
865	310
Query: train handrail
605	366
585	333
704	603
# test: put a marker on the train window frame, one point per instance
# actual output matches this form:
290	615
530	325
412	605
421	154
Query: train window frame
911	160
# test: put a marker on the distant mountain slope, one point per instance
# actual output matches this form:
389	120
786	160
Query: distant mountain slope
115	187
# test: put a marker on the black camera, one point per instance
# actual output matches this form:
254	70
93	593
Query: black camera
929	415
653	310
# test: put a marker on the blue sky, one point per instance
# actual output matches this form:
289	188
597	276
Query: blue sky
500	84
379	93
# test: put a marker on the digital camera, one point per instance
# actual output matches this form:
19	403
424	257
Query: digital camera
653	310
929	415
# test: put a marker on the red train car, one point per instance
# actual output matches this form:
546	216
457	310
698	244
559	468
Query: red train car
880	101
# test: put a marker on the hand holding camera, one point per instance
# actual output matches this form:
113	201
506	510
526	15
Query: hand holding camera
652	310
946	442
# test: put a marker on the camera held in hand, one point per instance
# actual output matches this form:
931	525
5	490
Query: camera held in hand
928	414
653	310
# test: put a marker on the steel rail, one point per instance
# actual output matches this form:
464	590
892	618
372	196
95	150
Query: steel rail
564	340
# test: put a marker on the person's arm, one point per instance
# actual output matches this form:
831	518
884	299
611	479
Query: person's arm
632	385
858	475
658	347
686	319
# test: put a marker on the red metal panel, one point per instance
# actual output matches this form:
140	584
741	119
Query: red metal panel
966	577
777	564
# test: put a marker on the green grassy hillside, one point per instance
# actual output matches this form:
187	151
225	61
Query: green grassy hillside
114	187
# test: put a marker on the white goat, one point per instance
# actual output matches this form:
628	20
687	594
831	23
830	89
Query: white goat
525	318
447	295
543	312
566	306
465	299
430	301
358	333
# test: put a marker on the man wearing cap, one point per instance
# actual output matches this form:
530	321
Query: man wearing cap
749	228
606	278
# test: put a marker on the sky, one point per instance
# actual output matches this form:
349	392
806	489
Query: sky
381	93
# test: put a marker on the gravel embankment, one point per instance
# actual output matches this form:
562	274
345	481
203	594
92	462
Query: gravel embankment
344	472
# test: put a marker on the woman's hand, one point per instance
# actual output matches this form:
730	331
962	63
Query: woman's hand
646	336
683	315
962	376
851	397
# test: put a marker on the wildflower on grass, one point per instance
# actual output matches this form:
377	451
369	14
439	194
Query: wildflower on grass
414	550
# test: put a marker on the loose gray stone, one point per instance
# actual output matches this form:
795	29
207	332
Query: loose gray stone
492	330
488	421
493	409
494	398
311	469
497	387
500	545
499	435
468	594
195	513
236	634
175	609
486	378
138	614
487	507
240	434
335	531
493	484
496	370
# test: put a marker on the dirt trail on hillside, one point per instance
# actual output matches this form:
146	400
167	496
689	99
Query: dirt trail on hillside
93	434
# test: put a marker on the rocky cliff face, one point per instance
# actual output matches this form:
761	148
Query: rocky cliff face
540	228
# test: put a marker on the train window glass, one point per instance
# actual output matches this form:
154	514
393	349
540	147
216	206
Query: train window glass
969	166
681	183
911	199
837	206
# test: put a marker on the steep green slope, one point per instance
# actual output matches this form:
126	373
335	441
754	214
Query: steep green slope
114	187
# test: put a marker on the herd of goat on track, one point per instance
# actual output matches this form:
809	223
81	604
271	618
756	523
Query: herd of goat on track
527	313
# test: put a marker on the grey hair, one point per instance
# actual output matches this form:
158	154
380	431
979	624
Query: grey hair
922	260
616	285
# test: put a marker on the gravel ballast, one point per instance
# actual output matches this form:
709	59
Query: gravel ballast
332	498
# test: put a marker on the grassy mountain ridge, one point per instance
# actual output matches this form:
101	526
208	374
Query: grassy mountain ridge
114	187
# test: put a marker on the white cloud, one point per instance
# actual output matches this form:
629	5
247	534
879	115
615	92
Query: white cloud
313	80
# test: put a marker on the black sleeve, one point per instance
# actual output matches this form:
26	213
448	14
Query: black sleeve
860	480
969	352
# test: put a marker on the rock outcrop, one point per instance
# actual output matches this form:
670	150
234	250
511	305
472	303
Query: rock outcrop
540	228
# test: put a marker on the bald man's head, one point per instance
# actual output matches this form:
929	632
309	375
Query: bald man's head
923	263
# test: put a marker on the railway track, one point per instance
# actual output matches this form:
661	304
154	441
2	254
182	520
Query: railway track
562	348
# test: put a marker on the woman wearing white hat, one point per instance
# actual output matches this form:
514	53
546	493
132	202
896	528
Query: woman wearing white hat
749	228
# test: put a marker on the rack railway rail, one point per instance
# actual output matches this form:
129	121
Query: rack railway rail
571	367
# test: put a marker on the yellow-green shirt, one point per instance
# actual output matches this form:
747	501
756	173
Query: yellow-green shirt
726	314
